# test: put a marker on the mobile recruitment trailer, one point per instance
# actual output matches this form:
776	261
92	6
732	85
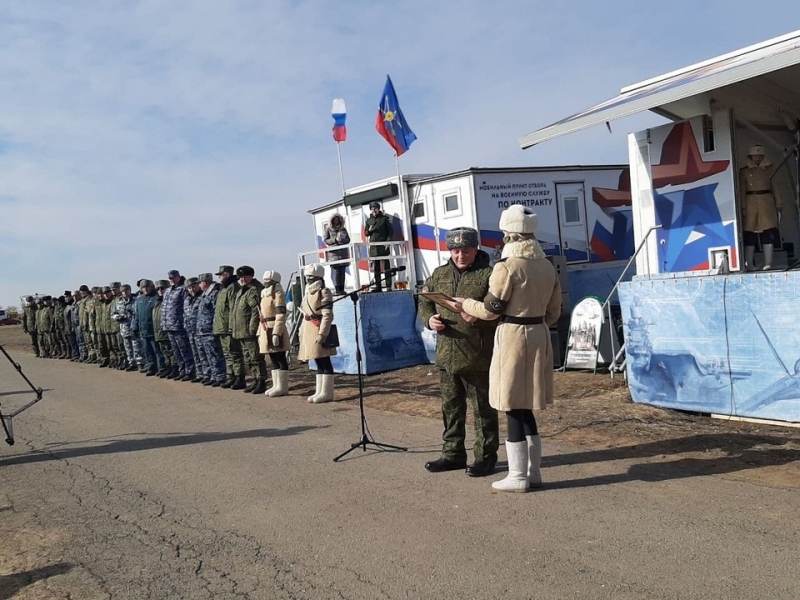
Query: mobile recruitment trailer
584	216
585	226
701	332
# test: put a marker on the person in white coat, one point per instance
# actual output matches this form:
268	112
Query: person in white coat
273	339
525	295
317	310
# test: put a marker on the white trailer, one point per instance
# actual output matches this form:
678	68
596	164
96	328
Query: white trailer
584	216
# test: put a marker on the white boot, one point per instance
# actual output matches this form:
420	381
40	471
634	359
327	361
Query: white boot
534	461
318	389
280	383
517	480
768	257
749	257
326	395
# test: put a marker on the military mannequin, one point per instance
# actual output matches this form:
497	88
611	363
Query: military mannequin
761	207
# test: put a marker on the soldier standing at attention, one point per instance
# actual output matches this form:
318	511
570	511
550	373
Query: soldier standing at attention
29	323
231	349
379	229
244	327
160	336
207	343
172	324
190	306
463	355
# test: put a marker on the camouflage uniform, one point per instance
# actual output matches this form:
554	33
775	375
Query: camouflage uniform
69	328
29	324
160	336
379	229
190	306
44	326
172	324
244	328
463	355
207	343
113	337
59	333
123	314
231	349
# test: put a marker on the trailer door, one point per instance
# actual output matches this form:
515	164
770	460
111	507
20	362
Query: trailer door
573	229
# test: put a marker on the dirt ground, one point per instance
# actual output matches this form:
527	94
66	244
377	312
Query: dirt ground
590	411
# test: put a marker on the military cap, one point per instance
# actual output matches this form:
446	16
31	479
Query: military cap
28	298
76	293
85	288
374	205
67	293
125	286
226	269
115	285
207	277
245	271
462	237
192	281
174	273
144	282
161	284
106	289
47	298
61	300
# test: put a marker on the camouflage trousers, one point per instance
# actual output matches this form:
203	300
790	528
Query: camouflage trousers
166	352
456	391
232	353
211	357
114	344
133	351
182	350
44	344
34	342
254	364
80	338
199	364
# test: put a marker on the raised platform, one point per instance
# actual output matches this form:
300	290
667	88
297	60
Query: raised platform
387	333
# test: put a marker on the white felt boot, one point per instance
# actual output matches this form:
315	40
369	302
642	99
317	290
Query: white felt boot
534	461
317	390
280	383
768	256
749	257
326	395
517	479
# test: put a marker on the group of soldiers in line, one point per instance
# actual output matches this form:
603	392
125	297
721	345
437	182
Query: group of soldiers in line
193	329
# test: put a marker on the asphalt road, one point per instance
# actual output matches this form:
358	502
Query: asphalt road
122	486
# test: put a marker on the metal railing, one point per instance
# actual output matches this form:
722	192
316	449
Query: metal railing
617	354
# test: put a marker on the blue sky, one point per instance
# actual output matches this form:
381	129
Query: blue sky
138	137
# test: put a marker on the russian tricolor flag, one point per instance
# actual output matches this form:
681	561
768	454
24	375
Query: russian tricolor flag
339	114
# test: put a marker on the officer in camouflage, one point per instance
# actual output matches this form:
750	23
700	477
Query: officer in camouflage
161	337
231	349
463	355
245	323
207	343
190	306
29	323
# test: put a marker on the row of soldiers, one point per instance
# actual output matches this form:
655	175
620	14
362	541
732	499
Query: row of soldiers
191	329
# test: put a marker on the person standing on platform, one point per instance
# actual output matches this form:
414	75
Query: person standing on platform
336	235
379	229
525	297
463	355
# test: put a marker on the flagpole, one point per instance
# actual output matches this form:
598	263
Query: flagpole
341	171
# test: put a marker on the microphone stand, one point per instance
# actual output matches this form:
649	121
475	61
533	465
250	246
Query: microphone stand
7	419
365	439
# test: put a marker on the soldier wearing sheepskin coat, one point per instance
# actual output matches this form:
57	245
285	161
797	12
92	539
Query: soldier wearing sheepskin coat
273	339
525	295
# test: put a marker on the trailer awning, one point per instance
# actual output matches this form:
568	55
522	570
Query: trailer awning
770	57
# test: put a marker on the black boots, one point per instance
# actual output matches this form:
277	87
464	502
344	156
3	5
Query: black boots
261	387
446	464
238	384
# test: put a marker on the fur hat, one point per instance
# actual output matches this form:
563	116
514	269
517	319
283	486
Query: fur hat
85	288
125	286
315	270
271	276
161	284
462	237
206	277
192	281
115	285
756	150
518	219
245	271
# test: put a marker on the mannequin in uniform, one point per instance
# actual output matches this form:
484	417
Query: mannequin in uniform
761	206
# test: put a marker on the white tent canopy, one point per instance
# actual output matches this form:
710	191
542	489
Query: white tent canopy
761	83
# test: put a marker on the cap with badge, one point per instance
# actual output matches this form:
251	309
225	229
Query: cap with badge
245	271
226	269
462	237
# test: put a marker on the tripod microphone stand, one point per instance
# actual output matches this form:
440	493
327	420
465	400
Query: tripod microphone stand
365	439
8	426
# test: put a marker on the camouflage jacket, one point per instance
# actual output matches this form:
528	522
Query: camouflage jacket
158	333
206	309
58	318
112	325
68	328
29	319
224	306
123	313
244	319
172	309
461	347
190	306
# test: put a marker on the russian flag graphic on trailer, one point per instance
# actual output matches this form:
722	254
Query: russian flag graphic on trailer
339	114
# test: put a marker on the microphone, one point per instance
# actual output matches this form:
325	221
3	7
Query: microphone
394	270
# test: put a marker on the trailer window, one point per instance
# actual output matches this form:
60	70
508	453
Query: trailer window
451	203
572	210
419	209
